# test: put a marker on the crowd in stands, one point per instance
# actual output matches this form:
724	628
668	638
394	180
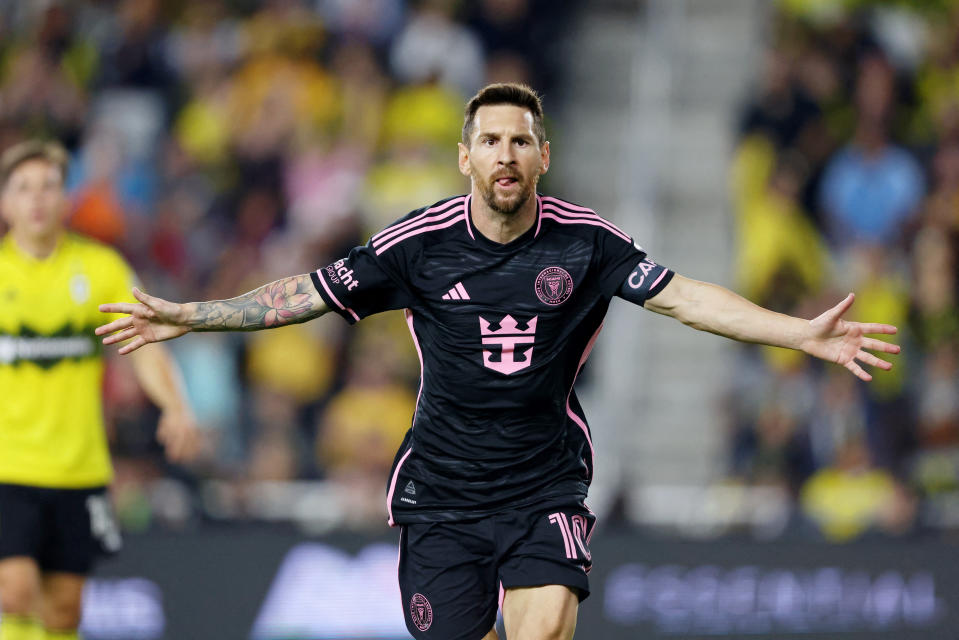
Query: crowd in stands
846	178
222	144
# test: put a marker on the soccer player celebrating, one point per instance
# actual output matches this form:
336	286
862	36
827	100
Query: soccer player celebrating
55	517
505	291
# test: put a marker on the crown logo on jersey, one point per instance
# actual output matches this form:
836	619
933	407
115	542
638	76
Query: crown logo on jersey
508	326
508	337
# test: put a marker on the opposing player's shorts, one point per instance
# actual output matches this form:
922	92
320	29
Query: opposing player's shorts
64	530
453	574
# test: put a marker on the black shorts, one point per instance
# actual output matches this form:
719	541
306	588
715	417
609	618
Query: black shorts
453	574
64	530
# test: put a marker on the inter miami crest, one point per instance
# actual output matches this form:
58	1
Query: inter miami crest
421	612
553	285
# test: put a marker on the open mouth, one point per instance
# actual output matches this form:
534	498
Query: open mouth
506	181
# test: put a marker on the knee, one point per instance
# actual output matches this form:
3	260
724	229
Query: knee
61	613
19	597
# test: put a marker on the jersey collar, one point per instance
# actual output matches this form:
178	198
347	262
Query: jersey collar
486	243
9	246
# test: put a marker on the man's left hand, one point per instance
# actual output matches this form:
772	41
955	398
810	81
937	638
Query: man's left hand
843	342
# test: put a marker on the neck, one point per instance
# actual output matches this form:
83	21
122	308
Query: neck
39	247
501	227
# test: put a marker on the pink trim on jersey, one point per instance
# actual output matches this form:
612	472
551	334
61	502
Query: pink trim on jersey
396	474
419	354
574	218
661	276
569	205
453	204
502	595
326	287
569	411
409	228
461	290
469	221
416	232
539	215
389	496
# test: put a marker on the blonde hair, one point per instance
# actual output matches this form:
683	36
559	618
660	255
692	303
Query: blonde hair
46	150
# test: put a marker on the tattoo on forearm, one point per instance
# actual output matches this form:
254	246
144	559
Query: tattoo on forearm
287	301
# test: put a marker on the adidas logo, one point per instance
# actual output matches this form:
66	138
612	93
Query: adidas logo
410	488
458	292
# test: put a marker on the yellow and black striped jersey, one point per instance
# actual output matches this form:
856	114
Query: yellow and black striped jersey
51	368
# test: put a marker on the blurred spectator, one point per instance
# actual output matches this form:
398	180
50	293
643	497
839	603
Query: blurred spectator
781	257
851	498
871	188
433	45
375	21
782	108
133	52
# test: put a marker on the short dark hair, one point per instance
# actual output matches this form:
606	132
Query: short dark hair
518	95
49	151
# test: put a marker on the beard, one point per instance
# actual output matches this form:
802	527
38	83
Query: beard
501	203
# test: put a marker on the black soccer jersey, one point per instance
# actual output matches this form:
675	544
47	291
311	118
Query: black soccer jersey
502	331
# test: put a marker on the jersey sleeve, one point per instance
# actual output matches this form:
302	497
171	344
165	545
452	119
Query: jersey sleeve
644	281
617	256
362	284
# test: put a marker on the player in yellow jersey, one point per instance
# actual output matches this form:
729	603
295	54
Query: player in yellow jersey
54	464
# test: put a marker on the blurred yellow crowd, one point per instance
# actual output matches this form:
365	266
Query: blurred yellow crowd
846	178
221	145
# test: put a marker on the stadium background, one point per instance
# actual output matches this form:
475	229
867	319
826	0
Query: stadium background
793	151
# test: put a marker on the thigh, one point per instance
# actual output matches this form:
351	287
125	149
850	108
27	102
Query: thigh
21	521
549	547
84	528
448	580
540	613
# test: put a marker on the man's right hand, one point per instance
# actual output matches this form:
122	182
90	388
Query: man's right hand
151	320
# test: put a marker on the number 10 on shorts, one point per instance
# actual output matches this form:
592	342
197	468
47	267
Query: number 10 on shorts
572	536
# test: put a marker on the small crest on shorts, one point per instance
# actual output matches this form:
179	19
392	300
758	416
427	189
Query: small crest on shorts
410	488
553	285
421	612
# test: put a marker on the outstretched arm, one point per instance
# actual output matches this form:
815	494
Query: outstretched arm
282	302
709	307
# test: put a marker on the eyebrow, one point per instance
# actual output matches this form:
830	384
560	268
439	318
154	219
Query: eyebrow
517	136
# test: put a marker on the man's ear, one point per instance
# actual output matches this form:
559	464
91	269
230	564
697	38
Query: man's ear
464	158
544	158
